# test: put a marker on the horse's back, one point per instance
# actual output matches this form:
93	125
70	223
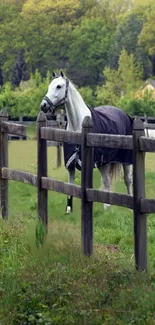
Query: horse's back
111	120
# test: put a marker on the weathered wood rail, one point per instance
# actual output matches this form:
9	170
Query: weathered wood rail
59	123
140	205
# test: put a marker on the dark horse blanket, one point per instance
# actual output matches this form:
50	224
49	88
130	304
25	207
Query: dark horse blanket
107	120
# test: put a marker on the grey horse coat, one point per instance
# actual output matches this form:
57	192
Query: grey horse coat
106	120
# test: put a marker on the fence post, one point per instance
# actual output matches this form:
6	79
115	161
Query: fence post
3	163
42	170
21	121
86	182
139	192
58	154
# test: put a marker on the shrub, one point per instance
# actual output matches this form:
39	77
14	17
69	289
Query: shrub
24	100
138	106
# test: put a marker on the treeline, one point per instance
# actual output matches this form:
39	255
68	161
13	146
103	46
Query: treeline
106	47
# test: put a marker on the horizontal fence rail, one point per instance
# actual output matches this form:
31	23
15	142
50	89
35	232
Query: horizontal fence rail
147	205
144	118
109	141
13	128
61	187
146	144
113	198
19	176
149	126
48	133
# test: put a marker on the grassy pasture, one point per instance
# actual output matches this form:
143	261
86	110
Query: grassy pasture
55	284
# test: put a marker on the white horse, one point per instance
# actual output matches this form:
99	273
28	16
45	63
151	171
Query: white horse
62	91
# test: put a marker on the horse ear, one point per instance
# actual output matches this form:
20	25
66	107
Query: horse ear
62	74
53	74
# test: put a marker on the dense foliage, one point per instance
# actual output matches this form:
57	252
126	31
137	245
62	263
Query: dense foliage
89	39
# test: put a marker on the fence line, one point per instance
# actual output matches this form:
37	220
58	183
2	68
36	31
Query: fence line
138	202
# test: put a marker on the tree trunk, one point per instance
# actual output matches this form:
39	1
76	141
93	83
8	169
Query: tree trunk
152	59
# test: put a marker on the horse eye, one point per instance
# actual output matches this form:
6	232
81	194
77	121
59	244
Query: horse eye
58	87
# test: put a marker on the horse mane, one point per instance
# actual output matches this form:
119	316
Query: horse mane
73	86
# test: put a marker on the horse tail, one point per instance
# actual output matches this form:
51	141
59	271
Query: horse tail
115	170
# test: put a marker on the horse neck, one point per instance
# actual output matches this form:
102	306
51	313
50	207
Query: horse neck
76	109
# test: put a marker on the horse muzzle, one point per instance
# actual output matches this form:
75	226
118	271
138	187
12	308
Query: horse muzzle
46	107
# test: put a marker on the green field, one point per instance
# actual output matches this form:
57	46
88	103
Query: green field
55	284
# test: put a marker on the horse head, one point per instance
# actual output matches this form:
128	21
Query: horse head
57	93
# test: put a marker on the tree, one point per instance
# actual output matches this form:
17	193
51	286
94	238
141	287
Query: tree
120	82
46	43
142	3
60	10
88	50
126	36
11	37
68	34
110	92
147	35
130	72
109	11
1	77
20	71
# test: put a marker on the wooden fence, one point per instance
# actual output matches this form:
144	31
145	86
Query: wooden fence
140	205
59	123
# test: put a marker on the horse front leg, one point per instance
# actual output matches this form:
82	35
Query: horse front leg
71	177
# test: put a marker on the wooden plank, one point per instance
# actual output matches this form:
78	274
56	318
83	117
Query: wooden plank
139	193
21	120
143	118
146	144
147	206
12	128
113	198
86	182
59	151
42	170
19	176
60	135
109	141
150	126
3	163
61	187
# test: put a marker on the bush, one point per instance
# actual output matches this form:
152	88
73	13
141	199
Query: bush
138	106
7	96
24	100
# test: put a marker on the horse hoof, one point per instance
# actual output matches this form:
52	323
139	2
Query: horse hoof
68	210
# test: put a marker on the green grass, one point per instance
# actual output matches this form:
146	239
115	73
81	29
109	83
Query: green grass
31	130
55	284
